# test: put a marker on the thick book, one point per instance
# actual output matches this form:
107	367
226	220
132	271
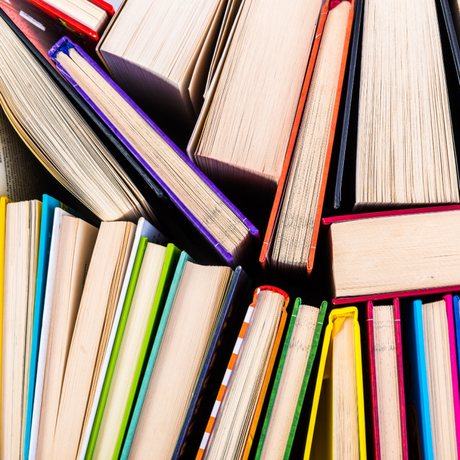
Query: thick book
174	222
345	197
387	381
417	248
233	422
233	293
291	381
293	171
337	414
432	392
208	210
48	206
20	270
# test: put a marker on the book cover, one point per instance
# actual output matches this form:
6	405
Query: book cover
62	46
328	221
308	369
373	378
3	202
48	206
144	230
231	366
274	215
418	405
320	429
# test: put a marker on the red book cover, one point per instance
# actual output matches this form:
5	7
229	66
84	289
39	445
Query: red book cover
373	379
327	222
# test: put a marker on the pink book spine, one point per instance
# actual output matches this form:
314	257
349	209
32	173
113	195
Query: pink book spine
373	379
399	358
453	363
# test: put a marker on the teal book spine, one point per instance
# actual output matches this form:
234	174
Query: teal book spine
48	206
184	258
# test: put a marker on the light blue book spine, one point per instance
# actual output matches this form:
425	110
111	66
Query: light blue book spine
184	258
48	206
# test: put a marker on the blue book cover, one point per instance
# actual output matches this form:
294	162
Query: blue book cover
418	406
48	206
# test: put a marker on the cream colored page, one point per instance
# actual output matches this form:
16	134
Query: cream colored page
439	379
345	402
290	383
386	369
130	348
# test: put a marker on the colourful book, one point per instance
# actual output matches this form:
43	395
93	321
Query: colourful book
295	383
179	287
149	233
388	329
48	206
170	260
398	238
432	391
339	379
213	218
3	202
235	415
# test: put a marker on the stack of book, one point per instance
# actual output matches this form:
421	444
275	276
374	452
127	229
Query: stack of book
149	319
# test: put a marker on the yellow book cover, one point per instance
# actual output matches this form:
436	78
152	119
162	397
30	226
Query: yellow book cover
3	202
343	323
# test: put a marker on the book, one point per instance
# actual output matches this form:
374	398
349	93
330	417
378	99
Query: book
91	333
185	339
290	241
76	244
416	248
291	381
164	68
58	213
22	232
144	230
231	427
432	396
135	332
3	202
337	422
412	160
49	204
387	381
197	197
87	19
243	131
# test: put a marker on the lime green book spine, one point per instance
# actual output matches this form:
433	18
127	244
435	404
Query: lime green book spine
306	378
171	259
183	259
116	346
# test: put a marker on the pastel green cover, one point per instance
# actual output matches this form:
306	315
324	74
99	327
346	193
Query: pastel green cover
171	258
116	346
184	258
303	389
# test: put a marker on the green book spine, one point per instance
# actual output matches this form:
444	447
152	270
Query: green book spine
184	258
306	378
116	346
171	258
